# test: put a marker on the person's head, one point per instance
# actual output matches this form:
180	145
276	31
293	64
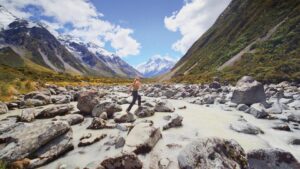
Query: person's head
137	78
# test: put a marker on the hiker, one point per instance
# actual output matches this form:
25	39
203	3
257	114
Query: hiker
134	87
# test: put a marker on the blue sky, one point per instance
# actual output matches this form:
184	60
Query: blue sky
136	30
146	18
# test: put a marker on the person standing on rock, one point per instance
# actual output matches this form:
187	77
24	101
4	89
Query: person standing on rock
134	87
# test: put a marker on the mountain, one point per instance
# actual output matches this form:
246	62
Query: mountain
251	37
35	44
156	66
98	59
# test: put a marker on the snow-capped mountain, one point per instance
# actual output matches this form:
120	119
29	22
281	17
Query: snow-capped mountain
34	42
6	18
98	58
156	65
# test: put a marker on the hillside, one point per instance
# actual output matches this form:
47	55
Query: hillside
34	42
251	37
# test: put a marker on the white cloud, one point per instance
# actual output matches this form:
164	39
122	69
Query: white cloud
192	20
87	23
120	40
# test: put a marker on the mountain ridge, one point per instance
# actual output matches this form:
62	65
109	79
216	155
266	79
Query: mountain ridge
47	50
241	23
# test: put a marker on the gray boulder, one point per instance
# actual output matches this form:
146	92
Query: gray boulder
119	142
169	93
271	159
164	106
33	103
295	141
106	106
242	107
141	139
215	85
53	111
257	110
88	100
212	153
28	115
43	96
125	161
174	121
281	126
98	123
248	91
86	141
276	108
293	115
295	104
103	116
52	150
3	108
144	111
124	117
8	123
72	119
24	139
242	126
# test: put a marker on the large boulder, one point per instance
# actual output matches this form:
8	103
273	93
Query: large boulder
293	115
72	119
24	139
142	138
52	150
119	142
98	123
174	121
164	106
257	110
7	123
212	153
55	111
28	115
144	111
124	117
88	100
3	108
242	126
33	103
61	99
271	159
106	106
43	96
215	85
125	161
248	91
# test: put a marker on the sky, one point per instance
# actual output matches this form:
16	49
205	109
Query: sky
136	30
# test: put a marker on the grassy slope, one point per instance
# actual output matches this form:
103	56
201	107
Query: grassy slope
19	75
240	24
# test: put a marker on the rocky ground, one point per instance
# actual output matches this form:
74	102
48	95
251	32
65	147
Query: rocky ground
249	125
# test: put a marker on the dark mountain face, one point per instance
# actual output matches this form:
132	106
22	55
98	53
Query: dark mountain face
37	44
39	41
99	60
251	37
89	58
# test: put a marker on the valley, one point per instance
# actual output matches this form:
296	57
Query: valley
230	101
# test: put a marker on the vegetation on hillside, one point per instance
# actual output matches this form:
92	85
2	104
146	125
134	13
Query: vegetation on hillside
20	75
241	23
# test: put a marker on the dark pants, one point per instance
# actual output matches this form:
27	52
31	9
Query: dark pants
135	96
